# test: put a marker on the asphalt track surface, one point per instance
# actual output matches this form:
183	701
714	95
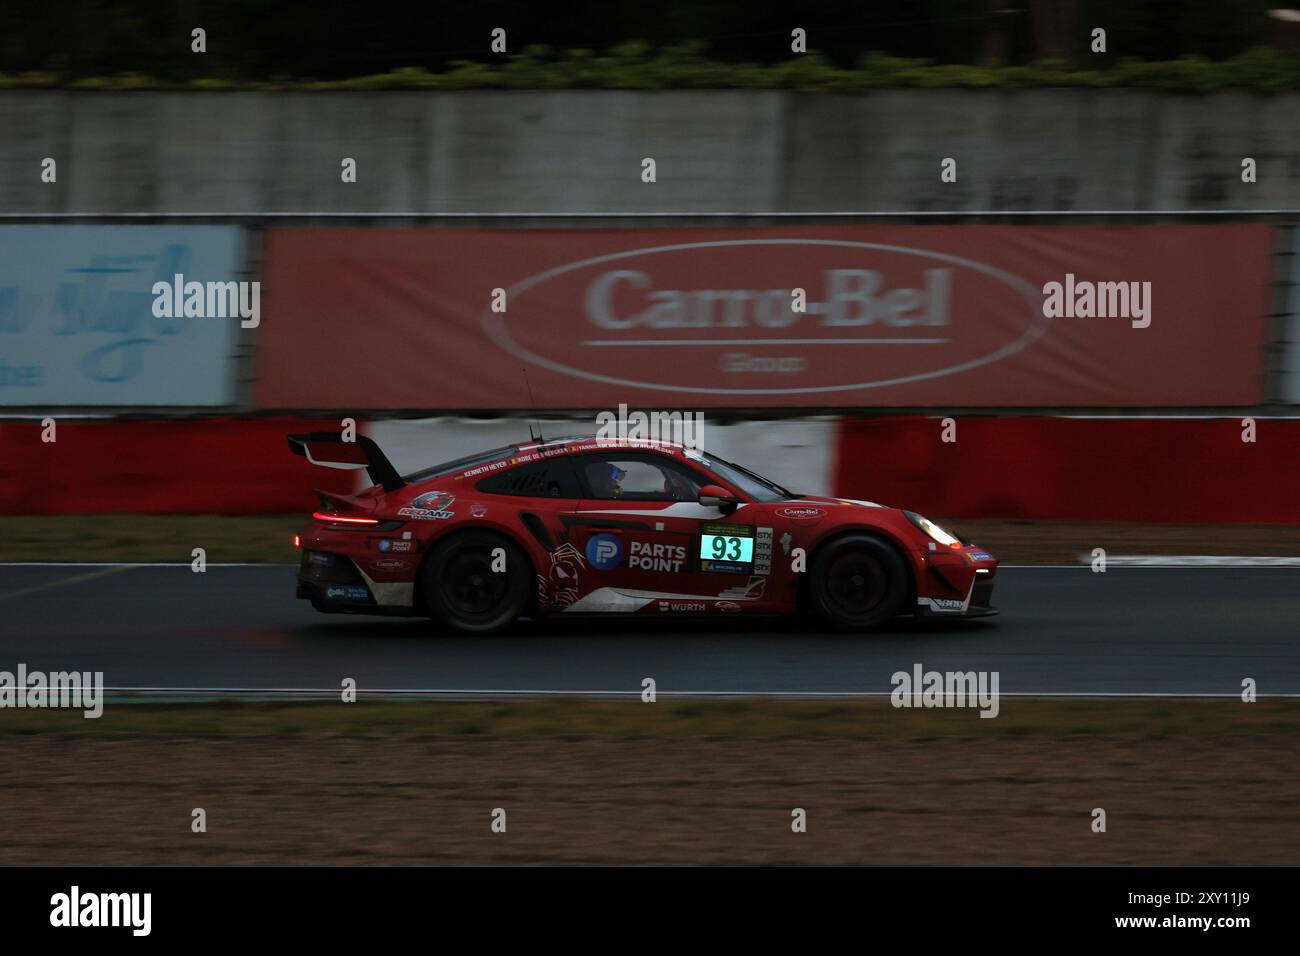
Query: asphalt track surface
1061	631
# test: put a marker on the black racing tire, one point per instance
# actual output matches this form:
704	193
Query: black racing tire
857	582
463	593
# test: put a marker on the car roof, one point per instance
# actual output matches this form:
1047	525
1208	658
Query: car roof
539	449
576	444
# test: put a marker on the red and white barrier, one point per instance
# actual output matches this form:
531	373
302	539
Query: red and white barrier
1031	467
209	466
1080	469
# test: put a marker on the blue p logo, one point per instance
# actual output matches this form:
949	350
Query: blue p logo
604	551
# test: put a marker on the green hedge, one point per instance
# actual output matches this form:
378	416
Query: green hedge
634	66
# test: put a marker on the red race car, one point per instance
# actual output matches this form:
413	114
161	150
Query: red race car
597	526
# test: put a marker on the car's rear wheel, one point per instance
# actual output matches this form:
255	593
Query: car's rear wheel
464	592
857	582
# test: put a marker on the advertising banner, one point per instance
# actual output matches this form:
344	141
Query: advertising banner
78	324
840	317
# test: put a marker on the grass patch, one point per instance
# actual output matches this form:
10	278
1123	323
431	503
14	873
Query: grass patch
147	538
636	65
632	718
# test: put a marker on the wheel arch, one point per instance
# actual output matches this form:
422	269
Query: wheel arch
850	531
418	600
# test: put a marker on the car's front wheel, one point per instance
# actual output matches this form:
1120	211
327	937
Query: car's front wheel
857	582
476	582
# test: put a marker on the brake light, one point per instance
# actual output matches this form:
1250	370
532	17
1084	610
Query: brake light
339	519
297	541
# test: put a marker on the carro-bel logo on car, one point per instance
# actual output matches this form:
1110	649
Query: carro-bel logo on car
802	514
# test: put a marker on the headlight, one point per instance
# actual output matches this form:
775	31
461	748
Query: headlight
932	529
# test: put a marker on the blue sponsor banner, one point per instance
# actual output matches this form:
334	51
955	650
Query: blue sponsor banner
77	323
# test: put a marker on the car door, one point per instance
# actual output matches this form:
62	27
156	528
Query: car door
638	527
544	494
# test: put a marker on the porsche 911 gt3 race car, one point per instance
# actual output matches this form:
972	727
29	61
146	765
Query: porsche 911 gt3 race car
590	525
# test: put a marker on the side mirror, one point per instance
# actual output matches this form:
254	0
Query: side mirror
713	496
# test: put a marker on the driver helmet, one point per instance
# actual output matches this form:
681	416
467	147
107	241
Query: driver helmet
614	481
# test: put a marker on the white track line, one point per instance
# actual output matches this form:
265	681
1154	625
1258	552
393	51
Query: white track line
1192	561
137	564
333	692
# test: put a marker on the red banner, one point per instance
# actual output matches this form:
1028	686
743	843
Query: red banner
208	466
1182	470
923	316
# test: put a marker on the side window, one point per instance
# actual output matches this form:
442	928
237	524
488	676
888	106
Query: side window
637	478
541	479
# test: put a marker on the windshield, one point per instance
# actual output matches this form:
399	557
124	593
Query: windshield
756	486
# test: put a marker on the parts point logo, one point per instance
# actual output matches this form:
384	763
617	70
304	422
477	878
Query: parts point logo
604	551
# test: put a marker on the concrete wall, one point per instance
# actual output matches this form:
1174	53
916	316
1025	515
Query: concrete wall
581	151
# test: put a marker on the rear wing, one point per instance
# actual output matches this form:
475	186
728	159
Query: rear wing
331	451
